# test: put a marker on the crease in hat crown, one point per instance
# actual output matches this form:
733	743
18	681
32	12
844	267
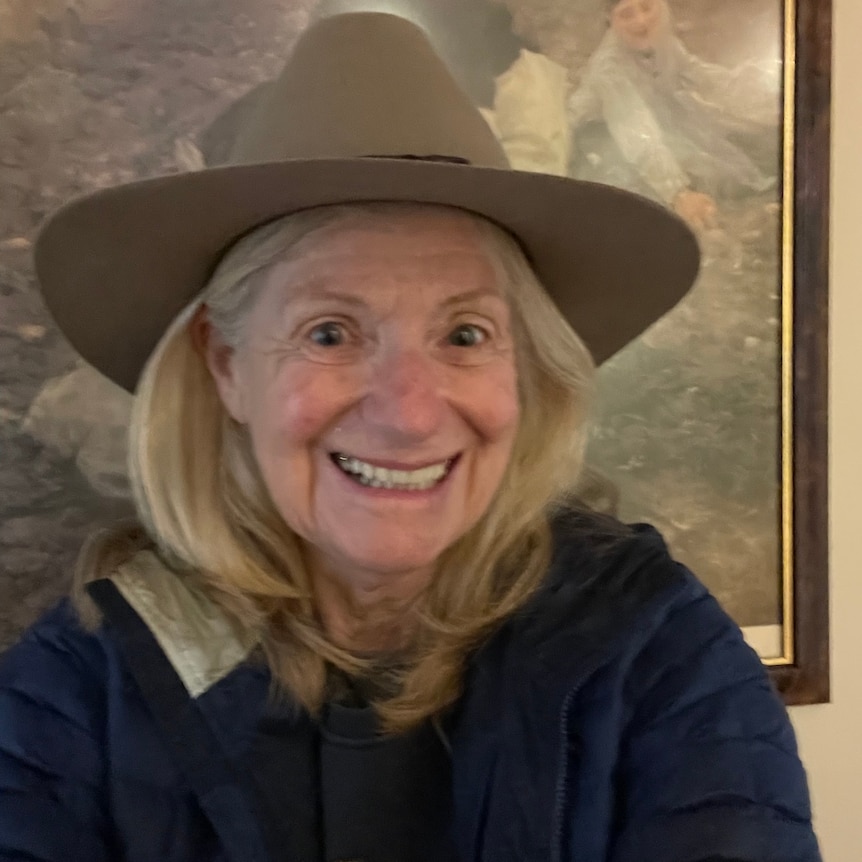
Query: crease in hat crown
366	84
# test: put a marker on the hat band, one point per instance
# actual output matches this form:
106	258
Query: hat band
455	160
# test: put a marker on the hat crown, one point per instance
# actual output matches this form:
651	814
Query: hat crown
366	84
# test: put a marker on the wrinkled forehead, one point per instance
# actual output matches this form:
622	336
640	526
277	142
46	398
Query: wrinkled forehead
309	236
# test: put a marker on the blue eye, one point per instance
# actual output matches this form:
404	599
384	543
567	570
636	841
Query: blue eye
329	334
467	335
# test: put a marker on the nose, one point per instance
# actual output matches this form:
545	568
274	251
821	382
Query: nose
404	399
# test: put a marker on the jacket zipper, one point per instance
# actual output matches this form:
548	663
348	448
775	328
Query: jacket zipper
562	790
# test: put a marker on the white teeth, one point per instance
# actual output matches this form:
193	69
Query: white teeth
381	477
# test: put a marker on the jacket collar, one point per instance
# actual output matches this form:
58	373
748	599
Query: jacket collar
202	643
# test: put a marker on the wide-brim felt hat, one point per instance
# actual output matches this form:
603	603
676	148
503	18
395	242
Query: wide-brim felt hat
363	111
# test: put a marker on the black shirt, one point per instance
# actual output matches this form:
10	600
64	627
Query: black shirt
335	789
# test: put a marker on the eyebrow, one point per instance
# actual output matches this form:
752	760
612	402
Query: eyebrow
310	294
310	291
471	296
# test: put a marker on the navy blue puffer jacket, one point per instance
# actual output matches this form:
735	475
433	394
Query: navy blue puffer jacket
619	718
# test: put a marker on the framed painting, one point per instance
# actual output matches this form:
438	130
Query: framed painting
712	425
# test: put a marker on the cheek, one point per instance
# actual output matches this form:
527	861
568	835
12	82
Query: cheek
496	405
301	402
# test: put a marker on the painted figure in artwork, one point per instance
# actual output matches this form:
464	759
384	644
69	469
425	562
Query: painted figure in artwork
651	117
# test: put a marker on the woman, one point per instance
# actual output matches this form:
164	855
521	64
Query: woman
651	117
360	620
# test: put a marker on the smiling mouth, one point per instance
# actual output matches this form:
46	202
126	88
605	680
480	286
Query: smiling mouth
372	476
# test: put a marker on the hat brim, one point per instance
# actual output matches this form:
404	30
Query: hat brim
117	266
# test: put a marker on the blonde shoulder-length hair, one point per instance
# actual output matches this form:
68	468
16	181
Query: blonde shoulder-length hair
203	505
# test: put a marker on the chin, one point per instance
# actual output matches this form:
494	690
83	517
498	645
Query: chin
393	561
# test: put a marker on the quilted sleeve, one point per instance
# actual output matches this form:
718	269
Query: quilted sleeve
709	762
50	755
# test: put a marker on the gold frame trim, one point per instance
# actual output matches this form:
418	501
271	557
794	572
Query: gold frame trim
787	291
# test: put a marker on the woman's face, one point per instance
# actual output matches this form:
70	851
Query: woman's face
637	22
377	380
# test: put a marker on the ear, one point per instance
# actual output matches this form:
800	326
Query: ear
221	360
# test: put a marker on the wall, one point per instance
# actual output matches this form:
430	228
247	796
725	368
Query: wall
830	736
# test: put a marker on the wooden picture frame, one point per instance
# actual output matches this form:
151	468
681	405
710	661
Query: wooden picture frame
802	674
789	626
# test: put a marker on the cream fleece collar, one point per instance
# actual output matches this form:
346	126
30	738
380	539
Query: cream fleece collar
199	639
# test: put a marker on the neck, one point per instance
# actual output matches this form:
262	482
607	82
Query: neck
368	612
